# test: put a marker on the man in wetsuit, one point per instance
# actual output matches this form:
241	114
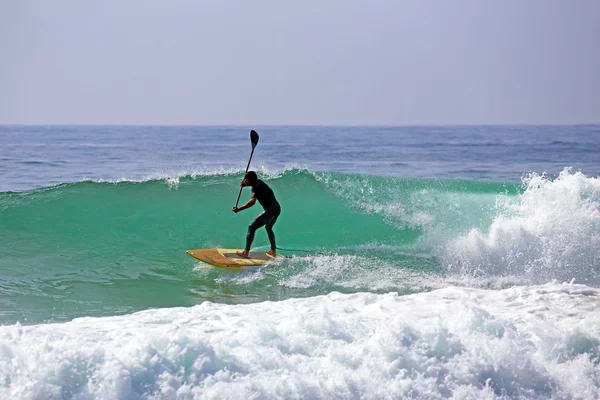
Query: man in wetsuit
263	193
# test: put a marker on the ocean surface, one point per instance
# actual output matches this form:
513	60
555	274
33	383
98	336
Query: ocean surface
422	262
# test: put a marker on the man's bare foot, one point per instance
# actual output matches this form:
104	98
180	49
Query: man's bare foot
272	253
243	254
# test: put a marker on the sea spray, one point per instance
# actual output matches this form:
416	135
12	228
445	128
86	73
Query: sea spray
550	231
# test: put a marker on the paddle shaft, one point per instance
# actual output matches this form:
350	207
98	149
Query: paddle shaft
247	167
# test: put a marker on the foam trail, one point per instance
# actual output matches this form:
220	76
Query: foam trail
536	343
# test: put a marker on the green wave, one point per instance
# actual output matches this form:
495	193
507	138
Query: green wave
97	246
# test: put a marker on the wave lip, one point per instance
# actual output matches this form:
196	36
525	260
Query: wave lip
531	342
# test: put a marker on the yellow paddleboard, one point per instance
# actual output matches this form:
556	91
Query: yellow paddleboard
228	259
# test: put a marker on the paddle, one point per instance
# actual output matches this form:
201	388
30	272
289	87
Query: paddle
254	140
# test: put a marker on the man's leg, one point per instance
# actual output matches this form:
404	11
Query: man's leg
271	234
258	222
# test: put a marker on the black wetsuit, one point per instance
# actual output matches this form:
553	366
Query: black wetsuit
265	196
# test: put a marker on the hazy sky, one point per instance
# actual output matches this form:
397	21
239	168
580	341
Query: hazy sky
337	62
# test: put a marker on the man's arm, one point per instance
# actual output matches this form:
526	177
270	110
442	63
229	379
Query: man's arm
249	204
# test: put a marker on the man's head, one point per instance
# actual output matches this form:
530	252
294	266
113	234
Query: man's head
250	179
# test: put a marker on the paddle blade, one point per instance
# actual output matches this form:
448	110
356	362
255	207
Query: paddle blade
253	138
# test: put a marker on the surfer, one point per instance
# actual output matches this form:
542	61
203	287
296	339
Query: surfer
265	196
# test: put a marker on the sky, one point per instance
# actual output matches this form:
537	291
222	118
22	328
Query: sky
309	62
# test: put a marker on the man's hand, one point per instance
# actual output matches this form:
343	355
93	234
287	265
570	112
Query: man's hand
249	204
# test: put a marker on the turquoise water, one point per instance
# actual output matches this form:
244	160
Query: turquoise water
99	248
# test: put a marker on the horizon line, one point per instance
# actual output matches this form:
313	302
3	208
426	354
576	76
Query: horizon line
305	125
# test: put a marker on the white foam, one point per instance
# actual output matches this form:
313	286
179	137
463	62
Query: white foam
551	231
537	342
173	177
351	272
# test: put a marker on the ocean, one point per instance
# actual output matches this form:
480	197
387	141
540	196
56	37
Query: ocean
456	262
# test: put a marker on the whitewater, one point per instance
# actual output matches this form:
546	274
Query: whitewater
456	262
459	343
